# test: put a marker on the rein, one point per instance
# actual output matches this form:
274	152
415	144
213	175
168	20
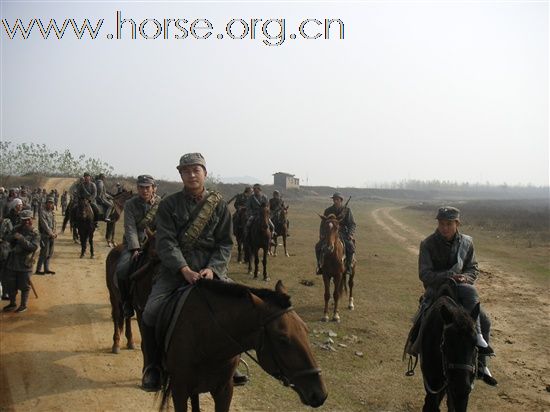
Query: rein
279	375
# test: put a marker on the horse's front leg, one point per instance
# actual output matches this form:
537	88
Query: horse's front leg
91	241
82	245
326	281
179	398
432	401
117	323
336	296
129	336
256	262
264	263
351	306
284	245
222	397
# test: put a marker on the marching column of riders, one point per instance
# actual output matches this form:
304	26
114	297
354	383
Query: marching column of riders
193	229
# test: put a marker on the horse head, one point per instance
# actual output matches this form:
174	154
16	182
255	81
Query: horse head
83	210
284	350
459	352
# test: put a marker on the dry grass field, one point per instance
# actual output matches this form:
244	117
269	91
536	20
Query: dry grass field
65	336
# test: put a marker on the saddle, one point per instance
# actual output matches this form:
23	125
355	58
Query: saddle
169	314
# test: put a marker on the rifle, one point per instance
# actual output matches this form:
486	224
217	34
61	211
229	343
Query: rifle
233	198
346	205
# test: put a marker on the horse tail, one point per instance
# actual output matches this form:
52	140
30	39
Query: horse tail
166	389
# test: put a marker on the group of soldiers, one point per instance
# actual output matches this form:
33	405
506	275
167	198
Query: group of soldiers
20	240
193	229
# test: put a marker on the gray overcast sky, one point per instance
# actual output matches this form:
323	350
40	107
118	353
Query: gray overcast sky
420	90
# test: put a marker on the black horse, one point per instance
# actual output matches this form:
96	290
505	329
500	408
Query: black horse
448	354
83	219
258	237
239	223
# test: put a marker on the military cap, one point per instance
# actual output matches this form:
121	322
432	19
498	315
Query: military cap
25	214
190	159
257	186
87	174
276	192
448	213
145	180
49	199
337	194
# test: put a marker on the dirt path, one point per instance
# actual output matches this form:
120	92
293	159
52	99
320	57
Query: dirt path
519	310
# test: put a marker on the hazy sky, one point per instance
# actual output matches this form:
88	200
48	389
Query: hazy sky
415	90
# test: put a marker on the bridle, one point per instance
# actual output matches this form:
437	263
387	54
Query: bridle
265	341
472	368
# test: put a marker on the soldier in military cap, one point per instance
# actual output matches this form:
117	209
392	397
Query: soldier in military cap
347	231
48	233
24	241
449	254
240	202
139	216
254	206
87	189
103	197
193	242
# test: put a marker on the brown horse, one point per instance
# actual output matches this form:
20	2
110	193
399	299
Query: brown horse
142	283
118	201
203	359
280	221
259	237
85	226
239	223
332	266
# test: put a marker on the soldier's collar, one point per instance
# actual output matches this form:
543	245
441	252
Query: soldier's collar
197	197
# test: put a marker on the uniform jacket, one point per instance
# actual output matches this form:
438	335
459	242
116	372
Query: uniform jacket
241	200
135	210
46	222
87	191
21	257
213	248
347	224
254	204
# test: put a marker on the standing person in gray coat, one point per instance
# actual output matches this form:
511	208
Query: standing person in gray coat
193	242
48	234
139	215
24	241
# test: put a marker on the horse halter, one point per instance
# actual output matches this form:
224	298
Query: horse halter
472	368
279	374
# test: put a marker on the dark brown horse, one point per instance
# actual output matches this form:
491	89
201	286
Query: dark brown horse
332	262
69	218
83	219
259	237
448	354
203	359
142	281
118	201
239	223
280	221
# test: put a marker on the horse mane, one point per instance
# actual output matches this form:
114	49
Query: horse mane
279	299
462	320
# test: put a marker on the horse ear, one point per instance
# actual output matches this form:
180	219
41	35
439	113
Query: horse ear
279	287
475	312
323	217
446	314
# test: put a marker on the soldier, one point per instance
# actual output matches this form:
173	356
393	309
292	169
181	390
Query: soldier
48	234
24	242
347	231
139	215
25	197
35	201
87	189
276	203
254	205
55	198
240	202
193	242
14	212
103	198
3	197
6	227
448	254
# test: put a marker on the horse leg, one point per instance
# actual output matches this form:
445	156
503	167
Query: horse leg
222	397
179	396
284	244
326	281
129	336
264	263
351	306
82	244
250	261
91	241
256	262
117	323
432	401
336	296
195	404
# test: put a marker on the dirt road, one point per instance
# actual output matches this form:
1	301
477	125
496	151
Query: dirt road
519	310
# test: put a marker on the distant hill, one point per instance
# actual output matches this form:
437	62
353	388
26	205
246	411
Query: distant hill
241	179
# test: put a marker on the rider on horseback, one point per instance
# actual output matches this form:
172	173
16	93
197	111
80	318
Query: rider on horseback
103	198
276	204
139	217
240	202
87	190
447	255
193	242
253	209
347	231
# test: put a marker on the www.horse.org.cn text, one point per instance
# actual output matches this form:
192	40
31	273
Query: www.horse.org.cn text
271	32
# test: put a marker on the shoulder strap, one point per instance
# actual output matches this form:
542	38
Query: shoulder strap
149	216
200	219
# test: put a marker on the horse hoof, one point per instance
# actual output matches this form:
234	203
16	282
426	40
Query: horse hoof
115	350
324	318
351	307
287	254
91	256
81	256
336	318
267	279
131	345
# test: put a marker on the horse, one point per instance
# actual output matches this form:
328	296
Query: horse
118	201
448	354
142	279
84	221
280	221
203	359
259	237
332	264
69	218
239	223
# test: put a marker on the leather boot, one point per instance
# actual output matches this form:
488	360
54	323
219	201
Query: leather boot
484	373
151	379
